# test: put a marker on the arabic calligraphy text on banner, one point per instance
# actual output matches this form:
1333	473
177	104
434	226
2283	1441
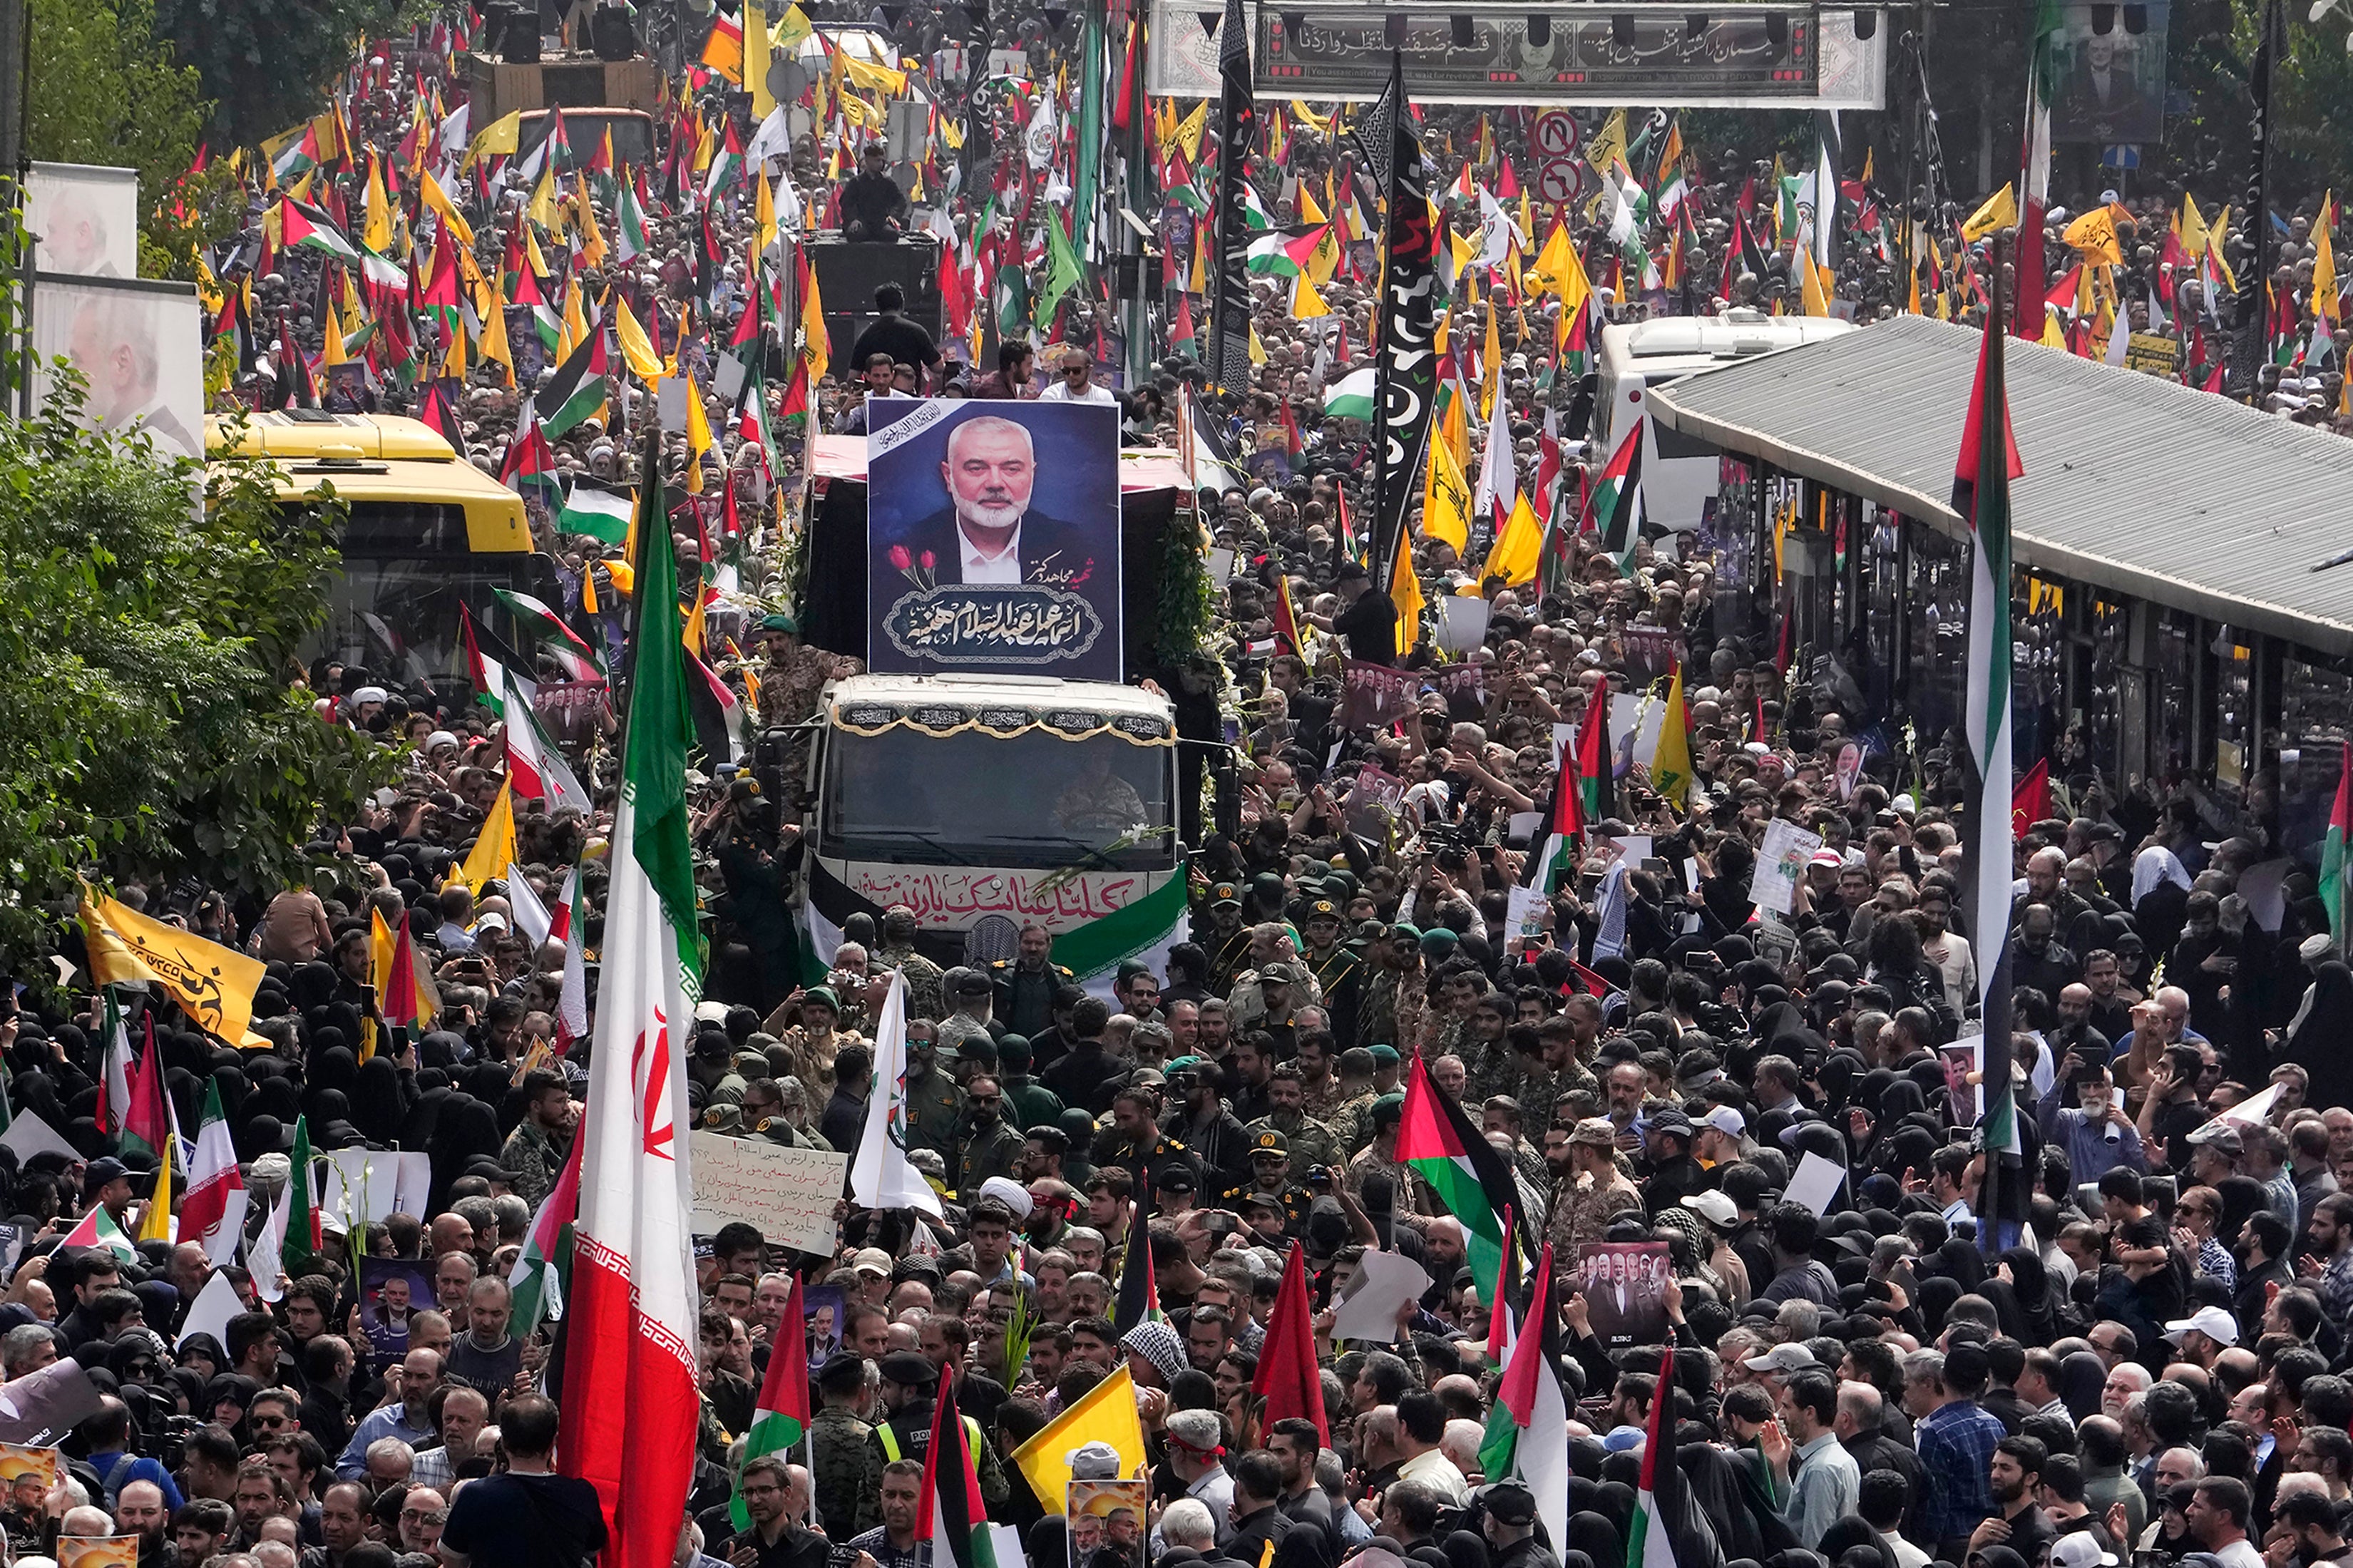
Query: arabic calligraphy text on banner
789	1194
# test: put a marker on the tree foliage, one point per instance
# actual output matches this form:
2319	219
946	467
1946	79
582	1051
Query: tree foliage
266	66
143	674
105	90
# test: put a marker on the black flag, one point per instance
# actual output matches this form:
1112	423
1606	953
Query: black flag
1406	373
1230	322
2254	324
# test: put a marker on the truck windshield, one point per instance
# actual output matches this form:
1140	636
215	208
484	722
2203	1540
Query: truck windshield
971	799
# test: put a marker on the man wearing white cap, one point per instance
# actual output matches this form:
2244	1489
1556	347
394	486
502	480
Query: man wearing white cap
1722	1140
2203	1335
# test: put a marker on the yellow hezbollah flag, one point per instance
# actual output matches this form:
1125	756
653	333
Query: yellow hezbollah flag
1106	1415
434	196
212	983
1405	592
2095	235
1671	770
1514	555
155	1223
1445	501
636	347
757	40
501	135
494	846
1999	211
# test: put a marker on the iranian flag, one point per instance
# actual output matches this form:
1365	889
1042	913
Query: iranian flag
303	1238
146	1126
782	1417
630	1400
1614	509
1527	1432
1596	797
545	1262
2332	854
114	1068
566	924
98	1229
213	1210
2034	166
1648	1543
950	1513
1443	1147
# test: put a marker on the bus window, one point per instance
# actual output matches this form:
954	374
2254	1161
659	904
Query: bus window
400	616
380	528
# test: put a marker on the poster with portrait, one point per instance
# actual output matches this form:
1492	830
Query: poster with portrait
827	1306
2111	83
97	1552
84	219
1625	1285
993	539
137	343
393	1290
1107	1523
1963	1061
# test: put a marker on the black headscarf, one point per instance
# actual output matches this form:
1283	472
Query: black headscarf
1599	1540
2316	1042
467	1129
2082	1375
377	1102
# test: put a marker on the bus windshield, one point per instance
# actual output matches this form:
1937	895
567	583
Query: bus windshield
405	571
972	799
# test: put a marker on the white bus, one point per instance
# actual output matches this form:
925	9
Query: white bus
1679	471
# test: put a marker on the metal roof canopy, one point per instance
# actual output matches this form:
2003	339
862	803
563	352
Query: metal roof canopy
2132	483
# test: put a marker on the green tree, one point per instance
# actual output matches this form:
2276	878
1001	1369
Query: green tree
105	90
144	669
267	66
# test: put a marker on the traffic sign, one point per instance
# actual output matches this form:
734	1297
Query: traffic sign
1556	136
1558	180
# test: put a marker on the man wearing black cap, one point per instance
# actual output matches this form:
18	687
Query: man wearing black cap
1369	618
908	1385
1674	1173
1509	1526
1338	972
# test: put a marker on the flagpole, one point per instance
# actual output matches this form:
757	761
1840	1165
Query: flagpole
1987	881
2254	282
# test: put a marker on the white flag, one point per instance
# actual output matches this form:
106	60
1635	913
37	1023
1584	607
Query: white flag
881	1177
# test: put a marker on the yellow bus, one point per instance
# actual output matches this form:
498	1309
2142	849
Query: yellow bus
425	533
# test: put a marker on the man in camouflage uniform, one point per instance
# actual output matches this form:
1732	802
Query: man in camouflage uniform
1266	998
1349	1116
1338	972
1393	1007
838	1442
1487	1050
927	996
791	674
1386	1117
1593	1193
1319	1088
934	1104
1023	988
1271	1177
813	1042
1226	941
1309	1143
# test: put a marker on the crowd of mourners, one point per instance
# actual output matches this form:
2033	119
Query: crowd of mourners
2122	1341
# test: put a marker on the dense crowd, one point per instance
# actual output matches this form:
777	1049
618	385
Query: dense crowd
2119	1340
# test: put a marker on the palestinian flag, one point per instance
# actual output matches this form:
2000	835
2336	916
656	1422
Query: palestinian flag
145	1126
305	228
294	153
1596	778
438	413
597	512
1660	1501
1139	1296
579	389
2333	851
1269	256
782	1417
531	462
98	1229
1614	509
1351	397
1442	1146
549	627
950	1513
1527	1432
545	1262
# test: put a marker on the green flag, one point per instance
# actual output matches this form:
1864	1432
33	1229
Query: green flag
1063	272
660	724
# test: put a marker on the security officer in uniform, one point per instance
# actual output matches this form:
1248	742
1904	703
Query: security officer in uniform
909	1383
1228	940
1135	1142
1270	1159
838	1441
1338	972
1509	1526
991	1143
1310	1142
934	1104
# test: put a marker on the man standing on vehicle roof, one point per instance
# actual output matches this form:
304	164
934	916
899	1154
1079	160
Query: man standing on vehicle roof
1025	987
